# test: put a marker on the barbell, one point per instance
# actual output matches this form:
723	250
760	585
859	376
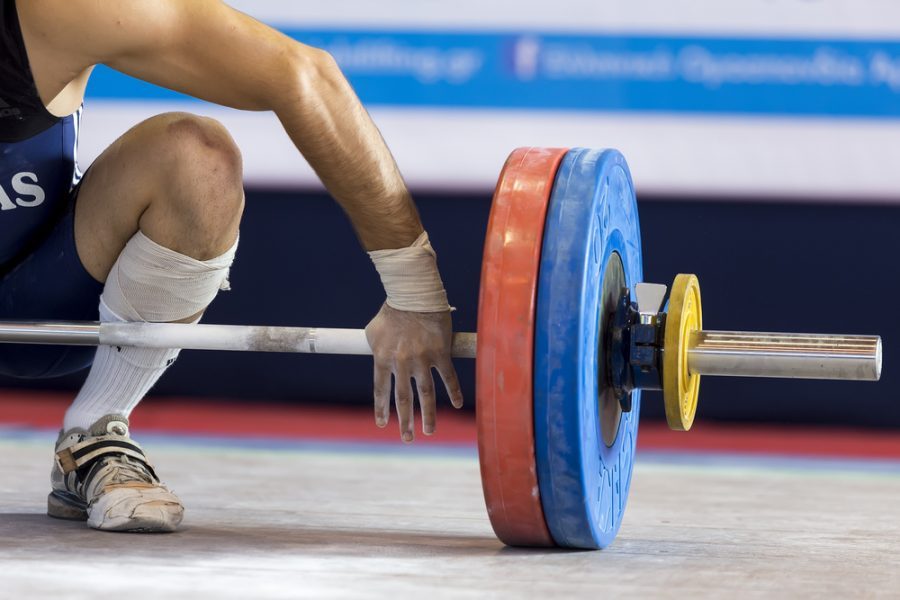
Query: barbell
568	336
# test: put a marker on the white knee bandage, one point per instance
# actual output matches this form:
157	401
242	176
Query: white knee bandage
410	277
151	283
147	283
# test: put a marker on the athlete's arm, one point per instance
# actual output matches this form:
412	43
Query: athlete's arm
208	50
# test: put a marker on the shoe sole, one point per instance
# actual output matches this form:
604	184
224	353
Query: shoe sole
64	506
61	506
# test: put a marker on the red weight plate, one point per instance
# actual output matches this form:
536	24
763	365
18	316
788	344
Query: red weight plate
505	365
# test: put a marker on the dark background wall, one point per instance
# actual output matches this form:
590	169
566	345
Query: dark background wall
774	266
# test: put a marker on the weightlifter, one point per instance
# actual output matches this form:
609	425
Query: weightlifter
150	231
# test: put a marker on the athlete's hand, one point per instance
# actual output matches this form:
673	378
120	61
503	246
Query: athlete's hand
408	345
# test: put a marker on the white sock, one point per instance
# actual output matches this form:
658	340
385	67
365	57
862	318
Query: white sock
147	283
119	379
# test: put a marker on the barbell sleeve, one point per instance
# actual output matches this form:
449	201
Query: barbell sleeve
785	355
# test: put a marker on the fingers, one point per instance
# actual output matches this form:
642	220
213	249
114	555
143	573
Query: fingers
407	345
403	398
451	382
427	402
382	393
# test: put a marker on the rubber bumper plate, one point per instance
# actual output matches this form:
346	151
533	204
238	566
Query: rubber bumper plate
585	444
504	368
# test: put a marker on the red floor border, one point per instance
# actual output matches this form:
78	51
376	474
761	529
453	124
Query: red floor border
209	417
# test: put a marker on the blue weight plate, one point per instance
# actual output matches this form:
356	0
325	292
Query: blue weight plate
585	445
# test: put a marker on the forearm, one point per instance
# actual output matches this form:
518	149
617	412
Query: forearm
330	127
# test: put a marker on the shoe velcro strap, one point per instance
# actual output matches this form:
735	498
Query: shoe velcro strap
79	455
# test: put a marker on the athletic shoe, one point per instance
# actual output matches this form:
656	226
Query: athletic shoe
103	477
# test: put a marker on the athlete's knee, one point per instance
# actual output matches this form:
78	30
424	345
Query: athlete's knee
203	153
202	142
204	176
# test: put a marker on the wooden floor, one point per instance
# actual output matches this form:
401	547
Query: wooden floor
324	520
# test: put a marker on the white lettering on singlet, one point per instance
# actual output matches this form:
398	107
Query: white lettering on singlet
31	194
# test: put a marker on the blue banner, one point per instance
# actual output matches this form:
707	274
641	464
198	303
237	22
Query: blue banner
793	77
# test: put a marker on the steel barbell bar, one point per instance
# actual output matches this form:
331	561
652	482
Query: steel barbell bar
722	353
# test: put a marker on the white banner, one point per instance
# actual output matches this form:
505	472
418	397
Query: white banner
749	98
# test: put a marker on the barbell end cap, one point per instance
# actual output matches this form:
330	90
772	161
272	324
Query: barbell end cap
879	346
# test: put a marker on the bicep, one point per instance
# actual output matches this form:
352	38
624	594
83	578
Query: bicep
213	52
202	48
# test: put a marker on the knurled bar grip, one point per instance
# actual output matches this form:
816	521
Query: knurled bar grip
727	353
304	340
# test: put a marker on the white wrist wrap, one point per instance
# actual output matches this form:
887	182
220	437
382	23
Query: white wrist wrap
410	277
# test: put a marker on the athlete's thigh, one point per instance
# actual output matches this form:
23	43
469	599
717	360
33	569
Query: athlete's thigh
117	188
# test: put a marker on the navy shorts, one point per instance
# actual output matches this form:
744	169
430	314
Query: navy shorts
47	282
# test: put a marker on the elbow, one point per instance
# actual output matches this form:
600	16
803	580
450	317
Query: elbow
311	74
325	62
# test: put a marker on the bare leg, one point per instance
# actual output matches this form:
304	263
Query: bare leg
176	178
156	220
